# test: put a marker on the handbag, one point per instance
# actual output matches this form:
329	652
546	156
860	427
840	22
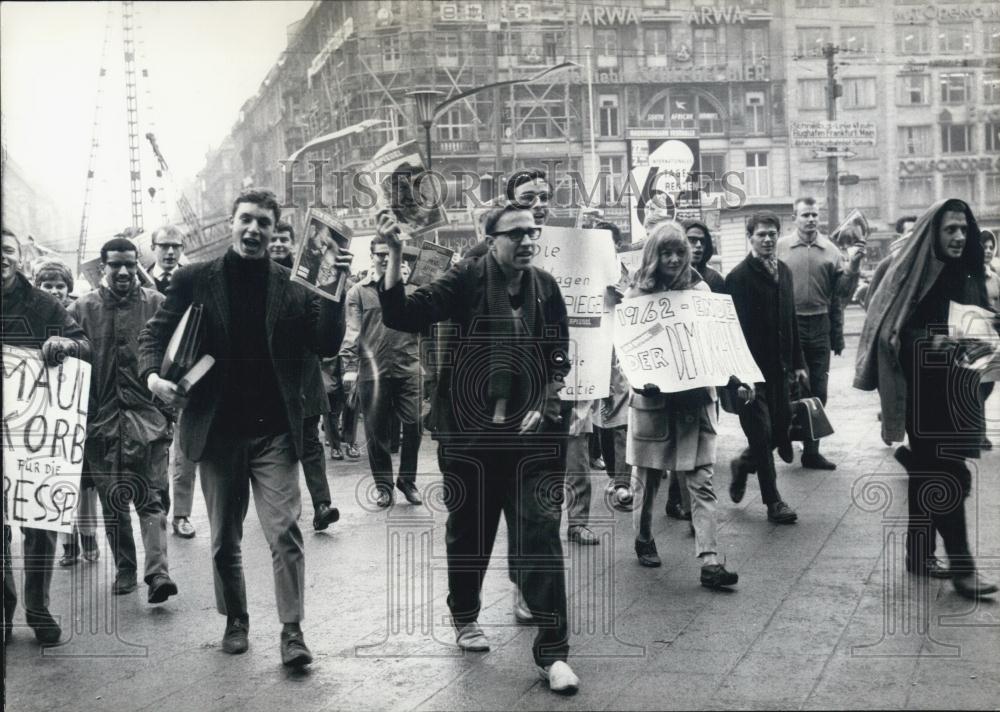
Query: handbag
809	421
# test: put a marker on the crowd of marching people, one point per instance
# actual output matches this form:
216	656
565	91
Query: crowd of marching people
287	360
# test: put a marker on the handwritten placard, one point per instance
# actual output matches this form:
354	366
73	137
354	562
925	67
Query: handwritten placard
682	340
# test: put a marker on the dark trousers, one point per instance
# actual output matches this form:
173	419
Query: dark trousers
314	462
759	427
229	468
147	489
341	423
39	558
814	334
379	401
479	485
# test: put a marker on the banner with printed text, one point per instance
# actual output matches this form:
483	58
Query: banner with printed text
44	431
682	340
583	263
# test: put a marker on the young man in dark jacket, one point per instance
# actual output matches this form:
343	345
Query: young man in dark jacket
702	250
35	320
500	425
761	287
128	434
242	423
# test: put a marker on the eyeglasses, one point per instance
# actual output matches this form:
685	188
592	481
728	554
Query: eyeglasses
115	266
529	199
169	245
519	233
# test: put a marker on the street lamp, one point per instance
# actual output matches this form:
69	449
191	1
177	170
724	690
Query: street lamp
426	100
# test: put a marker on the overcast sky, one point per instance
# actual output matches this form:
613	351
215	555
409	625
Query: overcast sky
204	60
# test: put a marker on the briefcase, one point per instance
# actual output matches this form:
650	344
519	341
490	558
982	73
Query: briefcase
809	421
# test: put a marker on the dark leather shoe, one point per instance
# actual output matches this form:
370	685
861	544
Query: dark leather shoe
183	528
716	576
781	513
816	461
70	557
738	483
384	499
934	568
785	452
235	640
161	587
646	551
294	652
972	586
336	454
582	535
47	631
410	492
125	582
325	516
352	452
674	511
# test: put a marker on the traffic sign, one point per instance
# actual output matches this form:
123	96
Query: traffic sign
833	153
849	179
819	134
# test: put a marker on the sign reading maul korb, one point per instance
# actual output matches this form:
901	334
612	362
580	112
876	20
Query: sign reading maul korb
682	340
44	430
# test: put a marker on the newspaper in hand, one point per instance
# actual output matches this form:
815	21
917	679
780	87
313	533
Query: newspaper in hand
968	321
315	265
432	261
852	234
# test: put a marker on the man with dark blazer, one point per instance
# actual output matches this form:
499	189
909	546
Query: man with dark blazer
243	422
761	287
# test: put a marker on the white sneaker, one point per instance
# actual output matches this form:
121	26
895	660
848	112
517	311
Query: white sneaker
472	638
561	678
522	614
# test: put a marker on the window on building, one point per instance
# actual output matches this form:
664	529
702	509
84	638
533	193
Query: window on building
857	40
713	167
809	41
859	93
542	119
913	39
709	120
550	47
955	87
956	138
954	39
606	46
656	46
992	195
812	94
914	89
991	37
756	116
915	141
391	51
447	47
856	3
451	125
992	140
612	178
758	181
916	191
991	88
959	186
608	108
755	45
707	42
863	195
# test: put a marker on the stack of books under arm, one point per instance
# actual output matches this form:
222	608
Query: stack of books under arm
181	363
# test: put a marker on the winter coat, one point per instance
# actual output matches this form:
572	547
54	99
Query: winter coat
716	282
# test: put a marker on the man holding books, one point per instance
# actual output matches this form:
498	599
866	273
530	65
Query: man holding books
242	423
128	434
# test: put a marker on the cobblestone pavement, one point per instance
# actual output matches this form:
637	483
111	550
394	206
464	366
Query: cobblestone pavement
823	616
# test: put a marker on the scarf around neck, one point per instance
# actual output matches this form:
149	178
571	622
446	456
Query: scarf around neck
506	329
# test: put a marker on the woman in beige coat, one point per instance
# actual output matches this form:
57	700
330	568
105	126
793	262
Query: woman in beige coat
675	431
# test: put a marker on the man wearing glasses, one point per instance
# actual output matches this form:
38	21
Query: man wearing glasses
128	435
500	424
168	245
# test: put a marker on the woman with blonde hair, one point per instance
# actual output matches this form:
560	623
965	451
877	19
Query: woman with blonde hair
675	431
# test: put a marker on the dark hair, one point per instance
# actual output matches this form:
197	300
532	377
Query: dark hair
117	244
493	217
902	221
985	235
524	176
765	217
377	240
285	227
51	271
263	198
8	233
171	230
616	233
804	200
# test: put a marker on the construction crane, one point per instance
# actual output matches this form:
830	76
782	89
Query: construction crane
187	212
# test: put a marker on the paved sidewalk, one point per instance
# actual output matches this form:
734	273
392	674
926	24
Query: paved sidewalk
823	616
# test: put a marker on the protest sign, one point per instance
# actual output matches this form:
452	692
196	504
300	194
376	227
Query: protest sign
44	431
403	186
682	340
432	261
315	257
583	263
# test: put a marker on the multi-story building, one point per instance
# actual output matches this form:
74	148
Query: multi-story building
927	75
711	75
